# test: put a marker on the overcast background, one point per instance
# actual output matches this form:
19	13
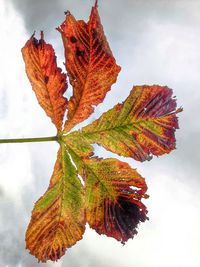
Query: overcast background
154	42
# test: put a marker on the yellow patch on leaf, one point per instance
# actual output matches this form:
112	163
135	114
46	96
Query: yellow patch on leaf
142	126
58	219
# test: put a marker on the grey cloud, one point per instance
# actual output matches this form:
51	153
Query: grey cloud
12	222
48	14
116	14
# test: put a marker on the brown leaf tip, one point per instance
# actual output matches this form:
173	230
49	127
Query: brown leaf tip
35	41
122	218
50	253
128	216
55	255
67	13
179	110
96	4
42	35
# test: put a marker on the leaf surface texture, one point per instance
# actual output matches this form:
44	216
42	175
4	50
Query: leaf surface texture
90	65
58	219
47	80
143	125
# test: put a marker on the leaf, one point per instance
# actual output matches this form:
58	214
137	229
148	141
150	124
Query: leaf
113	208
47	80
143	125
90	65
58	218
113	193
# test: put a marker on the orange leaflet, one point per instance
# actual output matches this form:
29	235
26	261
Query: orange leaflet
48	81
90	65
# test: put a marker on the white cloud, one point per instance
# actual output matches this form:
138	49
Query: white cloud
22	116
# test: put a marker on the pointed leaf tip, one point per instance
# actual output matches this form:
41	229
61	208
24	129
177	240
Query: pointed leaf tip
96	3
67	13
179	110
42	35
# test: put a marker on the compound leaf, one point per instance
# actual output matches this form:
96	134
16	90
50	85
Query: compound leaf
47	80
58	218
90	65
143	125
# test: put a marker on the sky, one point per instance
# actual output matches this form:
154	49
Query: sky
155	42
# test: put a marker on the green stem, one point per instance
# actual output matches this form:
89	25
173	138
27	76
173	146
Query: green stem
29	140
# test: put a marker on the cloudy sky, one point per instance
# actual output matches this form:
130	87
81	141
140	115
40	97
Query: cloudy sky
155	41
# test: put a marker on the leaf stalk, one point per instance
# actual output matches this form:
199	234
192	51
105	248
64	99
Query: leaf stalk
29	140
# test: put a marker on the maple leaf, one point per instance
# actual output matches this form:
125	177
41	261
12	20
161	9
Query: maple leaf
110	200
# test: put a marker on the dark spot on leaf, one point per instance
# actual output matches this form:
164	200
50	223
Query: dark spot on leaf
35	42
94	33
79	53
46	79
73	39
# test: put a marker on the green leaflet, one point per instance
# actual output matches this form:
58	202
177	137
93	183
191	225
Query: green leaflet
58	219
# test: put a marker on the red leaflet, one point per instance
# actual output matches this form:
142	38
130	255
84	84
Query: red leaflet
90	65
47	80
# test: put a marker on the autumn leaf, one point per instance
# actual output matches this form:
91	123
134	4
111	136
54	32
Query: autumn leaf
113	207
105	193
142	126
113	193
47	80
58	219
90	65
